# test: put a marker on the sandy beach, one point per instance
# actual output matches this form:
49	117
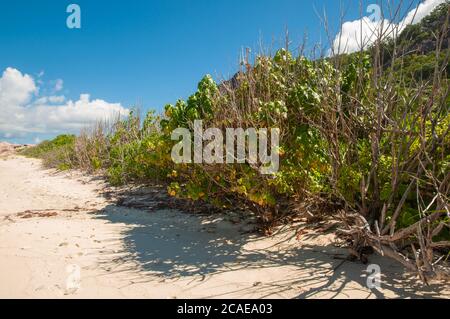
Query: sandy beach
61	238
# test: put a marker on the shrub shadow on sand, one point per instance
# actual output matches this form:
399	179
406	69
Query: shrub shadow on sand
173	245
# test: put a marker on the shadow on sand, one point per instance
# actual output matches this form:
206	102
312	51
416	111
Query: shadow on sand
175	245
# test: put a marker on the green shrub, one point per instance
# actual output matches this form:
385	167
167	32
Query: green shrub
358	132
57	153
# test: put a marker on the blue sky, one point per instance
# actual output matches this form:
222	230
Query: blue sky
146	52
149	51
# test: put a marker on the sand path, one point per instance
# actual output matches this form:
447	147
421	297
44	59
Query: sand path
73	243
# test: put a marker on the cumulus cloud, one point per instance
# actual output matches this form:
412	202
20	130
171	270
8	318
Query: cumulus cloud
424	9
15	88
359	34
25	114
363	32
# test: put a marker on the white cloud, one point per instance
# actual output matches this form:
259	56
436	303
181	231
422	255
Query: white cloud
56	99
424	9
363	32
53	99
15	88
59	85
359	34
24	114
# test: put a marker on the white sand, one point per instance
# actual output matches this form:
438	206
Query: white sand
117	252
